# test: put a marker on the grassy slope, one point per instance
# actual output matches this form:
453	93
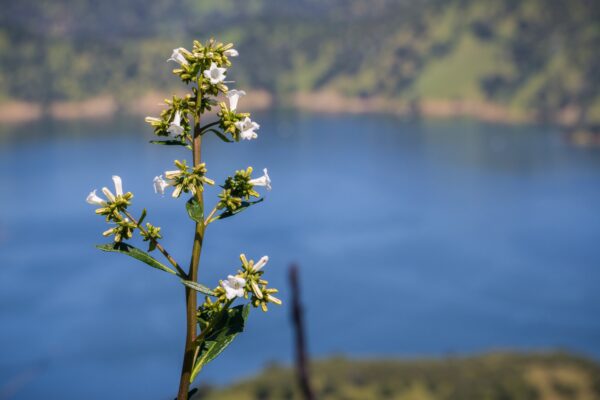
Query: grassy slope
489	377
530	55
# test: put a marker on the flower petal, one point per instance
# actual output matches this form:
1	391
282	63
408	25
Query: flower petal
118	185
261	263
94	199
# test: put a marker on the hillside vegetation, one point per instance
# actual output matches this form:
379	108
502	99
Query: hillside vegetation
502	376
535	58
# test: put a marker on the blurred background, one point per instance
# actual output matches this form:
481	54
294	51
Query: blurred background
436	170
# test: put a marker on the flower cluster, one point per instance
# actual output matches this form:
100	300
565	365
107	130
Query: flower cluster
112	207
174	121
246	283
151	234
183	179
206	65
240	187
238	125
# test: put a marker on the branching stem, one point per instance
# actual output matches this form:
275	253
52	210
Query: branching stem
208	219
158	246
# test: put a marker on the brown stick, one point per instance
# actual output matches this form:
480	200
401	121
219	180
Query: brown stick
301	354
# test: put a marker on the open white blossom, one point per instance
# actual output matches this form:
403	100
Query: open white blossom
94	199
234	286
215	74
247	128
233	96
264	180
231	53
175	128
178	57
160	184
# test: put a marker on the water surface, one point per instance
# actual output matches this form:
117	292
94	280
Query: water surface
414	238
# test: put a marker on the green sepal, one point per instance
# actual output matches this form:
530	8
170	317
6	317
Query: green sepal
136	253
198	287
245	205
195	210
229	323
141	218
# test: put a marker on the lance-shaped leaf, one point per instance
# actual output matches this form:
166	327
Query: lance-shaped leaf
220	135
245	205
198	287
136	253
171	143
227	325
195	210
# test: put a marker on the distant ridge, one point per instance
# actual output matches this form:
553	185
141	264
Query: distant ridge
534	59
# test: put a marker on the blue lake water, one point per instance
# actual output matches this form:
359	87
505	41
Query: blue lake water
414	238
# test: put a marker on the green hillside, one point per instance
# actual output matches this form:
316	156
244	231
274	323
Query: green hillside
533	57
502	376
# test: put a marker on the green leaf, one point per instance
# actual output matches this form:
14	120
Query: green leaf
220	135
198	287
245	205
136	253
195	210
171	143
228	324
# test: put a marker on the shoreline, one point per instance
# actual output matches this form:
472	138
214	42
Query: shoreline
16	112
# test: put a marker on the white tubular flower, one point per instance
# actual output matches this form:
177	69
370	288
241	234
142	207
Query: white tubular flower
175	128
160	184
261	263
233	96
231	53
262	181
118	185
215	74
234	287
247	128
178	57
94	199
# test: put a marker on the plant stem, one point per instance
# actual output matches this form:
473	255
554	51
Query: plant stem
190	295
208	221
158	246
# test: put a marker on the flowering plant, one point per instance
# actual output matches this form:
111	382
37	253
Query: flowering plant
213	325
